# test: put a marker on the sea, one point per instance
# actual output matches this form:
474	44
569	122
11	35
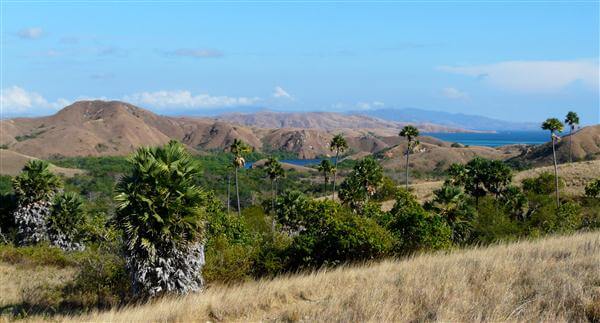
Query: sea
494	139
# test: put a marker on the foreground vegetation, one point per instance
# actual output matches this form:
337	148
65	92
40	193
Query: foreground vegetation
553	280
147	227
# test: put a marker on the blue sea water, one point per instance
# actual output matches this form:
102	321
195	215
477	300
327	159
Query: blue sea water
494	139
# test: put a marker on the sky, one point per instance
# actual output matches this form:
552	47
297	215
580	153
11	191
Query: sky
512	60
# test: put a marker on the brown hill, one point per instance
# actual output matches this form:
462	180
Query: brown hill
586	146
328	121
96	128
11	163
435	155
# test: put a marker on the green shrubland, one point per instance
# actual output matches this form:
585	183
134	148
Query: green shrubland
478	204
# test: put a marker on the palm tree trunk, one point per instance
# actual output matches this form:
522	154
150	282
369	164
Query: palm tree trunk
337	153
571	145
237	192
555	173
228	191
273	195
407	155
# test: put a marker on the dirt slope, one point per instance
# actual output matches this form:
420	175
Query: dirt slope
12	162
586	146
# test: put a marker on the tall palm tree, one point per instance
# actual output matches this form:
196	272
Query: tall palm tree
554	125
572	119
239	149
326	167
410	133
34	189
339	145
274	172
160	211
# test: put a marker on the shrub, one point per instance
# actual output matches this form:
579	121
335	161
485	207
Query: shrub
492	224
338	236
593	189
361	184
542	184
414	228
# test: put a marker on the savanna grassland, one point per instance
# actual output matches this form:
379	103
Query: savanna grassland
553	279
170	234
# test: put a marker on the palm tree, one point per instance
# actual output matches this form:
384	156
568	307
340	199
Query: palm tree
274	172
34	189
326	167
572	119
238	148
411	133
554	125
339	145
66	221
160	212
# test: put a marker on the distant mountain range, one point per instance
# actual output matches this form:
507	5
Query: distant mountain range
455	120
330	122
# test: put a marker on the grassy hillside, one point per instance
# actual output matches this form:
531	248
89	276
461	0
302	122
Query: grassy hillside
554	279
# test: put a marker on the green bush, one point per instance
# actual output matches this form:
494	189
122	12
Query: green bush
593	189
542	184
333	235
492	224
414	228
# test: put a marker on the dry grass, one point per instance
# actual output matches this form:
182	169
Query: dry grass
17	280
576	177
555	279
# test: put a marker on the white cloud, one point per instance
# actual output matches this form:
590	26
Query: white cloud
280	93
185	99
454	93
533	76
369	105
196	52
17	100
31	33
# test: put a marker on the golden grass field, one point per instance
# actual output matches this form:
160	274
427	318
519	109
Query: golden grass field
555	279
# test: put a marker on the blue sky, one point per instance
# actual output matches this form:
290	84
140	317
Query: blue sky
509	60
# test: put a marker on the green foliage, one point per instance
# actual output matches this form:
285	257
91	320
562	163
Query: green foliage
291	210
40	255
387	190
492	224
5	185
553	125
572	119
414	228
592	189
67	217
36	182
28	136
338	144
454	207
361	184
158	204
481	176
542	184
336	235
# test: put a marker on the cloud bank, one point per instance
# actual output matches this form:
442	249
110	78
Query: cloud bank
532	76
17	100
280	93
30	33
185	99
454	93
